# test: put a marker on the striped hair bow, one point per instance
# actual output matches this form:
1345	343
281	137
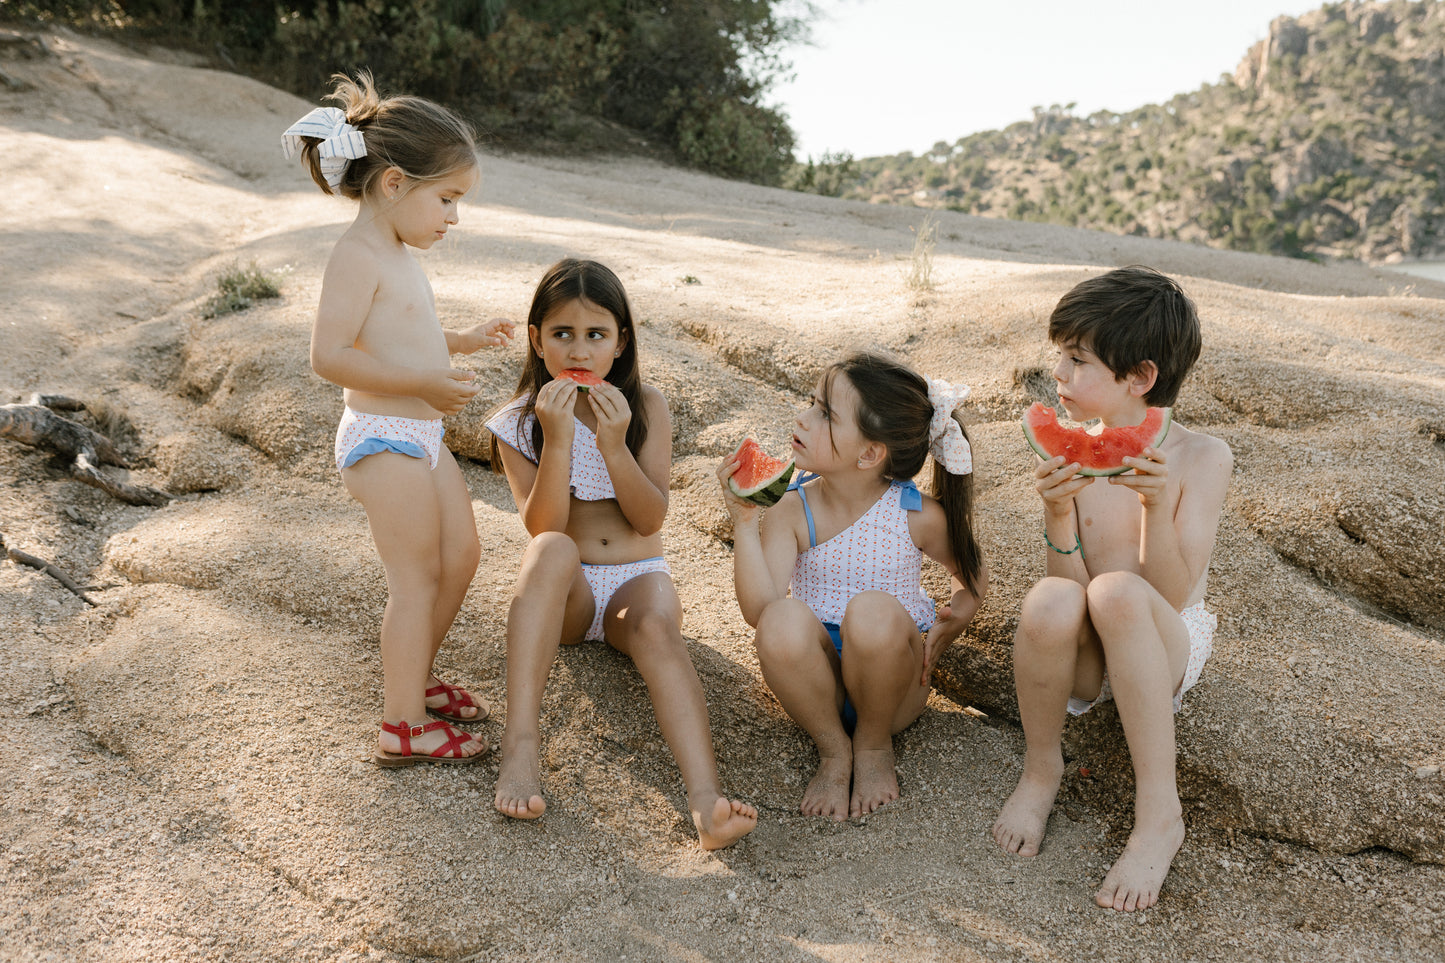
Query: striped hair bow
340	144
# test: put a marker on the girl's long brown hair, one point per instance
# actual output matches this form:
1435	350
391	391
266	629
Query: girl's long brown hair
894	410
571	279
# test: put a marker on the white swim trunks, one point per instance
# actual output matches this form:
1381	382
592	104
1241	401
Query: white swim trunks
1201	624
605	580
360	434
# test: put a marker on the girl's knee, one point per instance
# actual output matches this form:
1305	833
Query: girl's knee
786	629
466	558
551	552
876	624
655	634
785	614
418	578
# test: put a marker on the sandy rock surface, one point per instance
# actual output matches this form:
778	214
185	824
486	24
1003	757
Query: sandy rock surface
186	760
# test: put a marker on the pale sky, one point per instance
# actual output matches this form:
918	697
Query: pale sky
884	76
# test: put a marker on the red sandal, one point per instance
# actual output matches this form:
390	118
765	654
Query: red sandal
450	752
457	698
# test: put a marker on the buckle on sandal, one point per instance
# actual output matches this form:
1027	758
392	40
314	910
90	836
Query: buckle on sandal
416	732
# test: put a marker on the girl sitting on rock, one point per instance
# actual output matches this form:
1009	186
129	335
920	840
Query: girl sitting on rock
408	162
850	654
589	468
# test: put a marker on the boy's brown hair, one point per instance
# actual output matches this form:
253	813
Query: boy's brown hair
1129	316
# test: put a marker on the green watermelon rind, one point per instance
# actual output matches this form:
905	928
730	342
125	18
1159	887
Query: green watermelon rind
1099	472
769	493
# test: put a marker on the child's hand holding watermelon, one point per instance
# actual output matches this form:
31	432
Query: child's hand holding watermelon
613	415
751	477
1149	478
740	509
555	406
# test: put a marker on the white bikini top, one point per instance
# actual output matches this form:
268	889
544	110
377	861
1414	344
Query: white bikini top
589	479
875	553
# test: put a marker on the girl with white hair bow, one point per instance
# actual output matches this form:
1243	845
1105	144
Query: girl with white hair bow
850	652
408	162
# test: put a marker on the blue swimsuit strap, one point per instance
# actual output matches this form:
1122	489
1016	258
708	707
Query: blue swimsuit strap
910	499
797	485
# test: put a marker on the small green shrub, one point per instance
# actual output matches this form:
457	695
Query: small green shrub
239	287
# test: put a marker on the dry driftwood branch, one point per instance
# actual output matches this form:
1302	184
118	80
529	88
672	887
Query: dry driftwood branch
38	425
25	558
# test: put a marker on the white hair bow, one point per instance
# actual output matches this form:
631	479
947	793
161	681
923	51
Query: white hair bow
340	144
945	435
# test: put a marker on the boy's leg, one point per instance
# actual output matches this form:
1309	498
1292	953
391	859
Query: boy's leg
460	551
552	601
802	669
644	622
1146	646
1055	655
882	664
404	514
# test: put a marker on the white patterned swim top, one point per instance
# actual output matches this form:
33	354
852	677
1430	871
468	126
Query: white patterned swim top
589	480
875	553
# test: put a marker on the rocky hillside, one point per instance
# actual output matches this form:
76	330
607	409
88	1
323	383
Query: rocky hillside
1323	143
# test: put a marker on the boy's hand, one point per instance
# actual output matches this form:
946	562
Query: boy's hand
613	415
493	334
741	510
1057	483
1150	477
448	389
556	402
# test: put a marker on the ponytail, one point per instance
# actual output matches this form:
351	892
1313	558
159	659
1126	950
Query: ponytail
955	494
894	410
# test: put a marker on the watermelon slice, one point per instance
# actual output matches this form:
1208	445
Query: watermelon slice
1101	454
760	478
584	378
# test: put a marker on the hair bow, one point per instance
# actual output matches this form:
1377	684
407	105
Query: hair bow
945	434
341	143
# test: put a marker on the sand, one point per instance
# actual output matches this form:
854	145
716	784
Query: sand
186	760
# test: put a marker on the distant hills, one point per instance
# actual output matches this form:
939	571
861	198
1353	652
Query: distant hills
1326	142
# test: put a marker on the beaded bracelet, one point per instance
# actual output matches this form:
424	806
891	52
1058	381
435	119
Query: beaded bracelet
1078	545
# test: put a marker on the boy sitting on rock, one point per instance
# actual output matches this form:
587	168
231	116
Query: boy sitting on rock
1120	612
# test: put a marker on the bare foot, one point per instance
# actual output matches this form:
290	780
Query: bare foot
519	783
728	822
875	781
1134	881
453	703
827	792
1020	826
389	748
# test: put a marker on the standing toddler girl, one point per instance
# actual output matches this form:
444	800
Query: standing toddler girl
408	162
853	649
589	472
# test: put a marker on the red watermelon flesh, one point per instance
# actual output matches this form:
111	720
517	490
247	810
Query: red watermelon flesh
584	378
760	478
1097	454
